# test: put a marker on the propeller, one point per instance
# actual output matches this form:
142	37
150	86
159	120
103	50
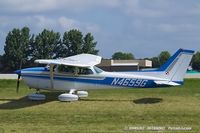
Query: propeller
18	81
19	75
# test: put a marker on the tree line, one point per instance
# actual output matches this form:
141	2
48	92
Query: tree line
159	60
156	61
22	48
164	56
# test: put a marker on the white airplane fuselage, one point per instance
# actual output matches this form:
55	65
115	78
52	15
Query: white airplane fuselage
39	78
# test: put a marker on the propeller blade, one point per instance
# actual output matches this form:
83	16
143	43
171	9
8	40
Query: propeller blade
18	81
19	75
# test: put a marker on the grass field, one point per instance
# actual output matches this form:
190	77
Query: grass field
103	111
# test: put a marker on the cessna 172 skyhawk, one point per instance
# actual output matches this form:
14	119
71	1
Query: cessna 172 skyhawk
79	73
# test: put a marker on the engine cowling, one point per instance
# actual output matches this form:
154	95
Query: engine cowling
36	97
66	97
82	94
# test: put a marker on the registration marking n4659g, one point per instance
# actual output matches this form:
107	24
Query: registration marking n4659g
129	82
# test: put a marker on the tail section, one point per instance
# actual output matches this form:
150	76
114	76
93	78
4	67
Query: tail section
173	71
176	66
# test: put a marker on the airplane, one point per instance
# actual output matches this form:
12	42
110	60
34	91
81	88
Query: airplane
76	74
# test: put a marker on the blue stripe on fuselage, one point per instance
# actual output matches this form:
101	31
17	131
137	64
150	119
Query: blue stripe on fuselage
36	69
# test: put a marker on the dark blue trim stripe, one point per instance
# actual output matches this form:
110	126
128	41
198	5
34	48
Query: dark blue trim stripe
179	82
35	69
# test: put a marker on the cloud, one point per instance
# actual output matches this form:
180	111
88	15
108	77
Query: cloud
68	23
28	5
195	10
160	8
38	6
128	25
177	27
39	22
139	9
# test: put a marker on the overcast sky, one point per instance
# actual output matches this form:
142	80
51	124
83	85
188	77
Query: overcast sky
142	27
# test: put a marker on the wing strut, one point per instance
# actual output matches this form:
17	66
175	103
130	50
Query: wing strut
51	76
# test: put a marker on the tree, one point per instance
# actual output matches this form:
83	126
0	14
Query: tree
1	62
163	57
23	48
16	48
155	62
196	61
123	56
73	43
89	44
45	45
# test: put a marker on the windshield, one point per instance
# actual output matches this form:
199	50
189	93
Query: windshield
97	70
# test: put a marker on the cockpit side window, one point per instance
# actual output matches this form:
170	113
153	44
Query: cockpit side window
66	69
85	71
73	70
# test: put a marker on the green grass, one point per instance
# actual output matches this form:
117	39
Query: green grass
103	111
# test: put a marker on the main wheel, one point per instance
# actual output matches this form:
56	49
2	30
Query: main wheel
82	94
66	97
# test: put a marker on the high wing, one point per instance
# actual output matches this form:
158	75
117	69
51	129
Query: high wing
81	60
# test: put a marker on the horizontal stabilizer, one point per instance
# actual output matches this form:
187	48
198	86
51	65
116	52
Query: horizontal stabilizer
170	83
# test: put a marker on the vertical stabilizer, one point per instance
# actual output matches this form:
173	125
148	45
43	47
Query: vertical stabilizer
176	66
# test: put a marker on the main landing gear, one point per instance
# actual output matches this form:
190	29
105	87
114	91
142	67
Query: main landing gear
73	95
